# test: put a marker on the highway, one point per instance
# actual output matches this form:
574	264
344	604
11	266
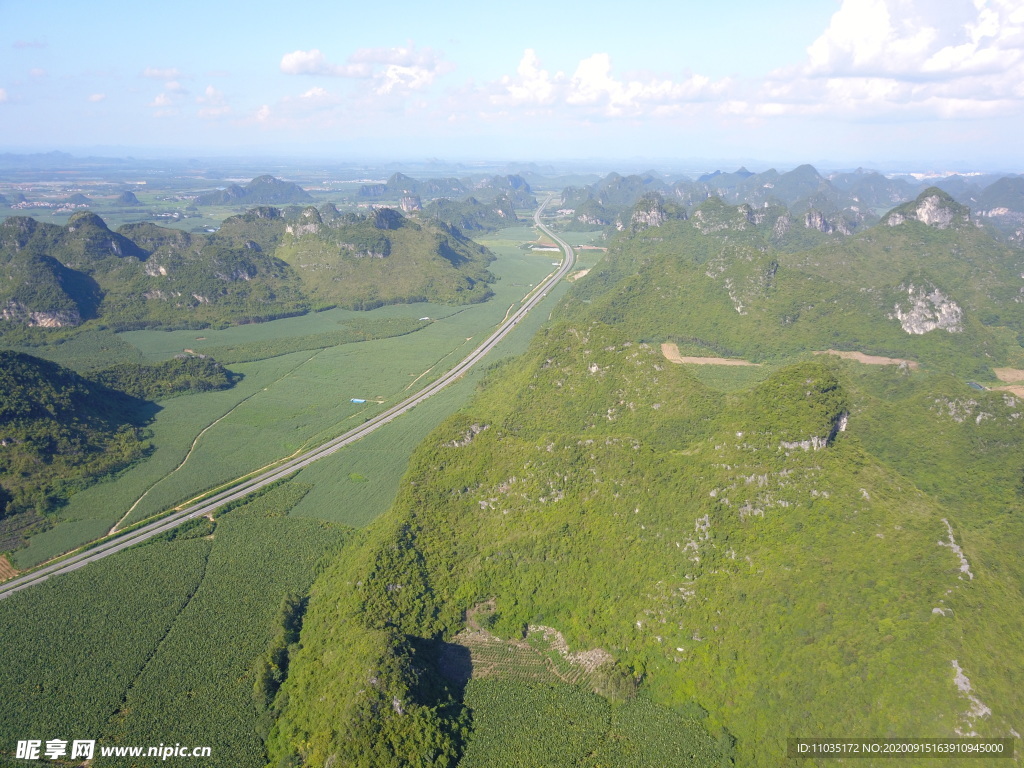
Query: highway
243	489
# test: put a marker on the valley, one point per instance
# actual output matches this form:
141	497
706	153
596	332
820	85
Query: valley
752	472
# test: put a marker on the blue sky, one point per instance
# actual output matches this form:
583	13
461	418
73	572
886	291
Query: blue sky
846	81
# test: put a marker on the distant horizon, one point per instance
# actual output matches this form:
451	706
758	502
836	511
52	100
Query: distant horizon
562	165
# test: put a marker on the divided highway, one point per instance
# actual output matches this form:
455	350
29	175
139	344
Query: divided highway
205	507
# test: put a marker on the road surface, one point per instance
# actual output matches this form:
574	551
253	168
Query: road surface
243	489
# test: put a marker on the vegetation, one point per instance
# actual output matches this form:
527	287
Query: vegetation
523	724
784	555
263	190
363	262
716	285
196	617
259	266
472	215
59	431
182	375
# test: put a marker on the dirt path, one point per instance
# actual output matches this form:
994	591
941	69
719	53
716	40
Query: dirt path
7	571
671	353
1009	374
860	357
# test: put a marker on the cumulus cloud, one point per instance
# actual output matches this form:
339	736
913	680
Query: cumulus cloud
531	85
263	113
596	89
313	62
315	94
907	57
97	97
3	95
392	70
214	103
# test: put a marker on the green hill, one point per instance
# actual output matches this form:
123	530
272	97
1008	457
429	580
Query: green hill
365	261
263	190
471	215
57	431
258	266
831	549
730	282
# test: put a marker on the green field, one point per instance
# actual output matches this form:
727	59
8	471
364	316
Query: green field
522	725
194	617
290	402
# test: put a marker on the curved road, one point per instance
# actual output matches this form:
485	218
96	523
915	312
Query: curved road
205	507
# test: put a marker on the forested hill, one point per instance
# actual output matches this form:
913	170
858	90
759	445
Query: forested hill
60	431
812	546
258	266
841	203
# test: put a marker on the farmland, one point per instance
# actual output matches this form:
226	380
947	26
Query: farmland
195	616
522	724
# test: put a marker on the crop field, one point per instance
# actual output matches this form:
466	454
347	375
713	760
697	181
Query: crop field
541	657
64	670
288	402
194	616
518	723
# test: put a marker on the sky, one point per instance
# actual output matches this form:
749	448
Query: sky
845	82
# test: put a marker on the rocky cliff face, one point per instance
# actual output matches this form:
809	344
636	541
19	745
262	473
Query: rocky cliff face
309	223
928	310
649	212
932	207
16	312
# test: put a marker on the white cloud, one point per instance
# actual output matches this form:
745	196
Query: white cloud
215	104
3	95
157	73
594	88
97	97
907	58
37	72
161	100
532	85
263	113
399	70
174	87
313	62
315	93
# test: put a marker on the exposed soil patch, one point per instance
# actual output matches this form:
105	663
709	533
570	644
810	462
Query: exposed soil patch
1018	390
577	275
1009	374
542	656
7	570
860	357
671	353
